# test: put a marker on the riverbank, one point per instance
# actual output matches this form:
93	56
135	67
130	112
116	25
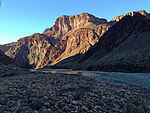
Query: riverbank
139	79
54	93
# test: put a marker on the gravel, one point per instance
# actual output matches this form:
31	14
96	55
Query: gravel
57	93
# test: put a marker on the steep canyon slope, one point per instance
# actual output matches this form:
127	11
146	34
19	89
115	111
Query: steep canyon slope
5	59
124	47
6	47
69	36
87	42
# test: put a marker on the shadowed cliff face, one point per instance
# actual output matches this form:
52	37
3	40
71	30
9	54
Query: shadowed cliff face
142	12
6	47
5	59
69	36
122	48
119	33
8	67
29	52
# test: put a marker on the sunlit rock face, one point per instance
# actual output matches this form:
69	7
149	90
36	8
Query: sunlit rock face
65	23
87	42
69	36
80	41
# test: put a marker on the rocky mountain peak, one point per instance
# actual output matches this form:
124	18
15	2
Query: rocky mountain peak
81	36
69	36
142	12
65	23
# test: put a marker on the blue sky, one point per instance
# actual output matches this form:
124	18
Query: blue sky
20	18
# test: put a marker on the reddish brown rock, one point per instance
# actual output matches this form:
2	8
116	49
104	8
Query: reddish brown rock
5	59
86	42
81	40
69	36
124	47
142	12
30	52
6	47
64	24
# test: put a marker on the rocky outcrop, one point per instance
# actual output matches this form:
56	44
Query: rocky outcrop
5	59
64	24
142	12
131	56
80	41
30	52
6	47
8	67
76	35
86	42
124	47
